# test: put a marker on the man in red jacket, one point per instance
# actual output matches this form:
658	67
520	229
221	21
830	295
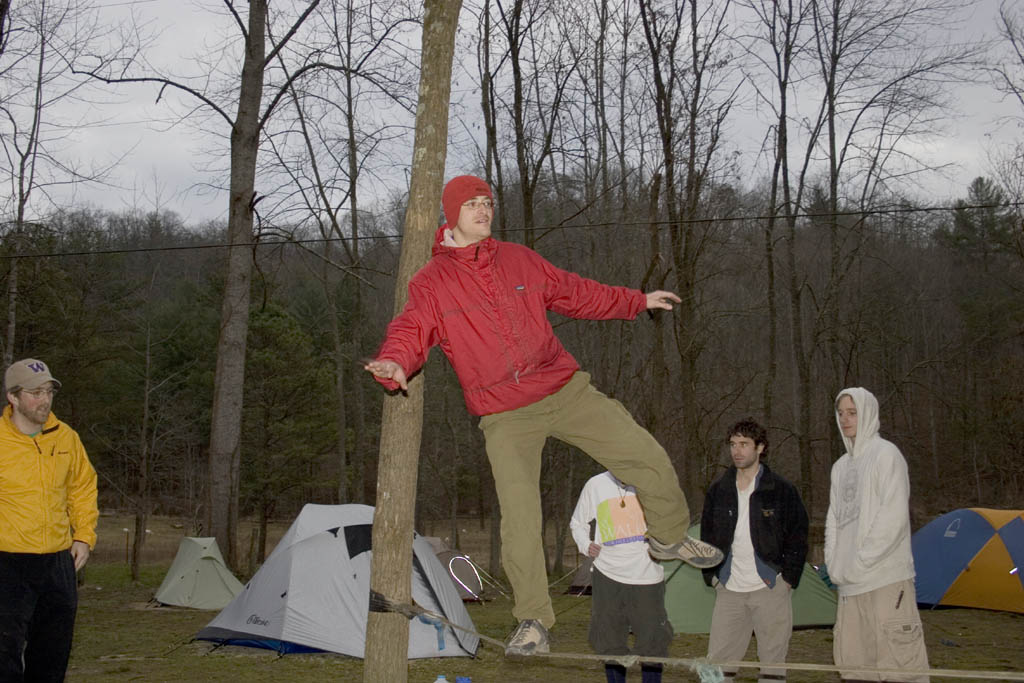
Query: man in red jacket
485	303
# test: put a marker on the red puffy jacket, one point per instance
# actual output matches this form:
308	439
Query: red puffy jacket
486	305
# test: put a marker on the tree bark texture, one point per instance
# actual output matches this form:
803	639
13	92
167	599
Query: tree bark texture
226	418
387	633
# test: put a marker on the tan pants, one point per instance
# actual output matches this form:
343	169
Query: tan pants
767	613
880	629
582	416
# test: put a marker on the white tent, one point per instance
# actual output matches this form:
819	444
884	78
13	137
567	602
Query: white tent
198	577
313	592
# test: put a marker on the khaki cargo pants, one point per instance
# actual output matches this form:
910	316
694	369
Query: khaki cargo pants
582	416
880	629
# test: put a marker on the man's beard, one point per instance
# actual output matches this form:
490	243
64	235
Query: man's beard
35	415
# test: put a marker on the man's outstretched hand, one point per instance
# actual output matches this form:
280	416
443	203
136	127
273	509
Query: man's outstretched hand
389	369
662	299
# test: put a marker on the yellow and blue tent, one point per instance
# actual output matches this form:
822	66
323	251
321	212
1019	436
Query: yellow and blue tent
971	558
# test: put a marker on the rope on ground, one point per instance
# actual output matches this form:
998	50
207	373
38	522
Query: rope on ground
561	578
708	672
187	640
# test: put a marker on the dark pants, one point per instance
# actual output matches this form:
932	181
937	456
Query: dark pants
618	608
38	598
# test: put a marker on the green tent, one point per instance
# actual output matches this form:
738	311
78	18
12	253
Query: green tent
198	577
689	602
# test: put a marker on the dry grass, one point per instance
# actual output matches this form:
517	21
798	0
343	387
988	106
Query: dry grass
120	638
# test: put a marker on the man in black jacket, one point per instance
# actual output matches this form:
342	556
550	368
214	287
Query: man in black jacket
758	520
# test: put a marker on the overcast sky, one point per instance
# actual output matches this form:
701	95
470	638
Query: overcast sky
164	164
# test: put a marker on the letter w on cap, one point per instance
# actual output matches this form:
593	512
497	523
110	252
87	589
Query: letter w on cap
37	367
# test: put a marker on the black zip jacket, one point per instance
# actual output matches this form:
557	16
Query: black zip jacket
778	523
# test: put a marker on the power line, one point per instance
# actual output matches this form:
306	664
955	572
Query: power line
127	3
540	228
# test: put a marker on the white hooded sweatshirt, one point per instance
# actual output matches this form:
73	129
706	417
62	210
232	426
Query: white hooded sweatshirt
867	530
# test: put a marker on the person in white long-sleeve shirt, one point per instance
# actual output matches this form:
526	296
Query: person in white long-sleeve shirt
867	550
628	588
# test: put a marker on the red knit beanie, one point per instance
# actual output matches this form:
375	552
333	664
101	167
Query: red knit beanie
460	190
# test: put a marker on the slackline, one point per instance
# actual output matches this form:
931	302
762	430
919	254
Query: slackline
709	673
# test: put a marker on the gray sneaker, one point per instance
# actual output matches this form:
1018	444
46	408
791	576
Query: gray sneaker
529	638
690	550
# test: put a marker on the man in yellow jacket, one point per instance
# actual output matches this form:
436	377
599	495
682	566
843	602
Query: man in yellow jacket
48	516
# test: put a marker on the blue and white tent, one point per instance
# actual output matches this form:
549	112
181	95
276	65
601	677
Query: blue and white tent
313	593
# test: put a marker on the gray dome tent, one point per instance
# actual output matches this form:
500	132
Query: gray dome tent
313	593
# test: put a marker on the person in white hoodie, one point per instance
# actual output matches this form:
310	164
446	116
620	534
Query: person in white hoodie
867	550
628	588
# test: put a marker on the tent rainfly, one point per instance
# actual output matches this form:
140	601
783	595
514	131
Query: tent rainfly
313	593
971	558
198	577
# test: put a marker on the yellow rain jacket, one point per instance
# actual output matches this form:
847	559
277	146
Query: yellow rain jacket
47	489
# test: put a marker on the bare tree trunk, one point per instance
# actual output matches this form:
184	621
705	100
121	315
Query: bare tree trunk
344	493
514	29
802	376
5	8
12	310
340	393
782	35
452	486
261	548
687	146
358	413
142	500
387	633
226	417
340	413
489	111
655	279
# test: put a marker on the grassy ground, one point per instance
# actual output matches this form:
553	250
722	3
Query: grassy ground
120	637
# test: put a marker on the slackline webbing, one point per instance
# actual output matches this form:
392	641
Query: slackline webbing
708	672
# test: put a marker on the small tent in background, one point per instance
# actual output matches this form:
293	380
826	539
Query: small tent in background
582	581
690	602
198	577
313	593
971	558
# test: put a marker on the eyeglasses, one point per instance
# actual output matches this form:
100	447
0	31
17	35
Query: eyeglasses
474	204
39	393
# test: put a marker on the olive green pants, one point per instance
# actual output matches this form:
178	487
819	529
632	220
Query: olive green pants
582	416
